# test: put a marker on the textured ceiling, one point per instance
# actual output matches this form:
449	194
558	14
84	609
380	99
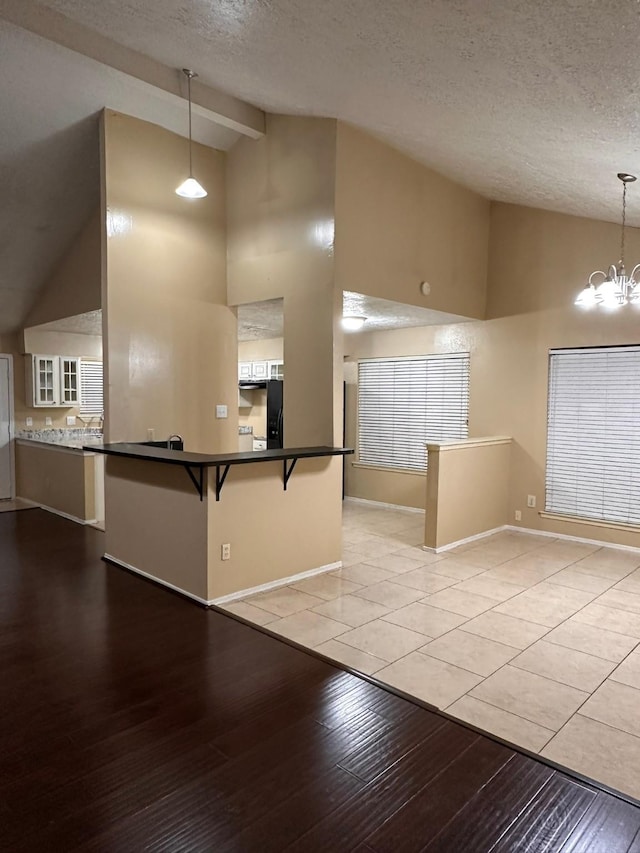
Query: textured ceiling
529	102
262	320
80	324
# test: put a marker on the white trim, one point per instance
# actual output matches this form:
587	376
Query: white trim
469	539
155	579
381	505
464	443
601	542
265	587
63	514
12	427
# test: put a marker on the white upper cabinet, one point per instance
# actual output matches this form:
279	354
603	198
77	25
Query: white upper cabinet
52	380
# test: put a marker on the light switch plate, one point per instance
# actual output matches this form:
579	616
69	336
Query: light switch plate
48	422
221	411
29	421
71	420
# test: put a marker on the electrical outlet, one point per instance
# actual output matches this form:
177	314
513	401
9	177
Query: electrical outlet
48	422
28	421
151	434
225	551
71	420
518	515
531	501
221	412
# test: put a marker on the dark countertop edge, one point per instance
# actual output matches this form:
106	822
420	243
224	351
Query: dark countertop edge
203	460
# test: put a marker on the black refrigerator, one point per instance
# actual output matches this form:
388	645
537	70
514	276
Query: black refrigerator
275	429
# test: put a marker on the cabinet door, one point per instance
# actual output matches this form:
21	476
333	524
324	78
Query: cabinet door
276	370
260	370
244	369
69	381
45	380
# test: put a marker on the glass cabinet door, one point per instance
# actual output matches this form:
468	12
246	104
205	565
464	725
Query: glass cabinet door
46	390
70	380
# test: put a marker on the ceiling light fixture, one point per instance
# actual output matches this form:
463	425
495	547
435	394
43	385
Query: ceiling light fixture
616	288
353	323
190	188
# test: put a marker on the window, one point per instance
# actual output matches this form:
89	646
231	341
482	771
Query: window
405	402
593	434
91	398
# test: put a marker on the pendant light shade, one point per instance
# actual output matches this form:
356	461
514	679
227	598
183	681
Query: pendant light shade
190	188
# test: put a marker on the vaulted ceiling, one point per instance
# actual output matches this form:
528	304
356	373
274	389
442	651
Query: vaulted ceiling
531	103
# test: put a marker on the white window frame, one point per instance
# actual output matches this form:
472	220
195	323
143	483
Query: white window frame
592	470
441	413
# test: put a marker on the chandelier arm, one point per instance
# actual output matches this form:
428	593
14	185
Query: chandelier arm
598	272
632	274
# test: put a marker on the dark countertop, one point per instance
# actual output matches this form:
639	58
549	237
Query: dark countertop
204	460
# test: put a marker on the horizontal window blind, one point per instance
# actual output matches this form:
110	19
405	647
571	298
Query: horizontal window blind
593	434
91	388
405	402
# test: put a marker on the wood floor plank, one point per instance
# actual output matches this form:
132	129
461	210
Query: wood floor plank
131	719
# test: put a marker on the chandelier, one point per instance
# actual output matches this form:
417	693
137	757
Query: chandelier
616	287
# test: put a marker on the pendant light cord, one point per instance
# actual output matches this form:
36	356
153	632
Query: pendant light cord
190	155
624	221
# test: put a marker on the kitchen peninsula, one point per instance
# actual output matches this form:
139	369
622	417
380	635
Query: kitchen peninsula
170	512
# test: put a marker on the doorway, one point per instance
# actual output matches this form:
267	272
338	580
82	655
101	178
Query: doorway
6	427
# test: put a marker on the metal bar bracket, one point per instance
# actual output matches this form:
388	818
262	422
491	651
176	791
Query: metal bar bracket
198	482
288	471
220	479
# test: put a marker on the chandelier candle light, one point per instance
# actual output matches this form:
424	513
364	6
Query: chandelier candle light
616	288
190	188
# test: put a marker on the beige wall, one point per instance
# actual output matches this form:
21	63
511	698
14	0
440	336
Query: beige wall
61	479
156	523
74	286
399	223
539	261
467	490
280	244
171	341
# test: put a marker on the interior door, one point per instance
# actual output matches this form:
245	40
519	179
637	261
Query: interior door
6	466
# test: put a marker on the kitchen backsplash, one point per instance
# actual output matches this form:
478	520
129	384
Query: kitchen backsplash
69	434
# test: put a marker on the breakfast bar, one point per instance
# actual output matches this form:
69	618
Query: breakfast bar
217	527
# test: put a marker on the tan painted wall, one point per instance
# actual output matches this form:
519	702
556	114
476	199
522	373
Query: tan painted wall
60	479
156	523
171	341
280	244
74	287
467	490
538	263
399	223
273	533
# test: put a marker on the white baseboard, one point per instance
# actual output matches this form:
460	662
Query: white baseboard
265	587
468	539
157	580
381	505
64	514
234	596
600	542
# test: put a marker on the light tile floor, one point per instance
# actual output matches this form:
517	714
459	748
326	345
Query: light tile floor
531	638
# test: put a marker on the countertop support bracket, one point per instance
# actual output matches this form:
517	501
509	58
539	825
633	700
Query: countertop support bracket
198	482
220	479
288	471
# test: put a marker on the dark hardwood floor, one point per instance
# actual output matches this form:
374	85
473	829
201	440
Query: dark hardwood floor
134	720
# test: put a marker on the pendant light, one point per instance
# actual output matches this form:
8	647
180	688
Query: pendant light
616	288
190	188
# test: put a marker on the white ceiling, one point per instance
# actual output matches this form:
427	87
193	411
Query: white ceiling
529	102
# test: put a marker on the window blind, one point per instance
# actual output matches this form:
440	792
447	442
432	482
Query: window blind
405	402
593	434
91	388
